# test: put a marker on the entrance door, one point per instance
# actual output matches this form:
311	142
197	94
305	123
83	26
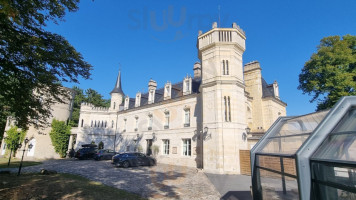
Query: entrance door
149	147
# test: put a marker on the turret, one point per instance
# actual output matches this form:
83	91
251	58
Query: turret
117	94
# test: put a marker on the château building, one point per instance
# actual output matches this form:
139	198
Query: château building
204	121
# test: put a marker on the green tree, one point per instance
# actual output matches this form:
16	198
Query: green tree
331	72
89	96
14	136
60	134
34	62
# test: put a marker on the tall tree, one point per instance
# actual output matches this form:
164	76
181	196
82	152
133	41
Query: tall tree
89	96
33	61
331	72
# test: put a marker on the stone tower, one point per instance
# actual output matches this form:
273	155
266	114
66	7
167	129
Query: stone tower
117	95
223	125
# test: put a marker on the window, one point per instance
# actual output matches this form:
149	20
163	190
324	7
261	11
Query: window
91	125
114	105
138	100
166	123
95	123
151	96
102	124
106	124
127	148
187	118
150	121
166	147
225	67
112	124
227	107
187	147
124	125
82	123
187	88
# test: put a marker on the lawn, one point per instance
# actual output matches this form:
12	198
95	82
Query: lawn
57	186
15	163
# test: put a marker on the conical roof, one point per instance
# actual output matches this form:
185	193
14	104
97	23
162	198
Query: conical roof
118	88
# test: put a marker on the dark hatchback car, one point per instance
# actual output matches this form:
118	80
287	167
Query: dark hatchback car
104	154
87	152
132	159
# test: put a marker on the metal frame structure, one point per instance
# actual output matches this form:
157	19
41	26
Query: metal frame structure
303	156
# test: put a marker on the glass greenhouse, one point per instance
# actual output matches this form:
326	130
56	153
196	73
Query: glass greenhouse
308	157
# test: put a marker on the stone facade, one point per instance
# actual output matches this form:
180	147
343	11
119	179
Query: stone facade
39	137
199	122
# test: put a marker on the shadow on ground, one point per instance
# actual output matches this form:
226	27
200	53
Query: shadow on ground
237	195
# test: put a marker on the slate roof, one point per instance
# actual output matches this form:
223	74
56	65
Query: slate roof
176	92
118	88
267	89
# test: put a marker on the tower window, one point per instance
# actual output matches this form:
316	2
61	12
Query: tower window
225	67
114	105
227	106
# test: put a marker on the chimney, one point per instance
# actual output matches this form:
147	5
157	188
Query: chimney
197	70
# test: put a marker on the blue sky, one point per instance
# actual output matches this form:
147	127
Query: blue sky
157	39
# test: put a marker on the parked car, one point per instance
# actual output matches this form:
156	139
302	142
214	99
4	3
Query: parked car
104	154
87	152
132	159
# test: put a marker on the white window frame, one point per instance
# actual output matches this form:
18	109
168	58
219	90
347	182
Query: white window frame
166	120
187	147
187	119
166	144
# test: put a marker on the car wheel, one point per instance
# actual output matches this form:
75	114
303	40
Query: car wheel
126	164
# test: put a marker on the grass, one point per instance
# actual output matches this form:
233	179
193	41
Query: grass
57	186
15	163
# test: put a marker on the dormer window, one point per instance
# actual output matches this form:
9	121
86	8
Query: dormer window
151	96
187	85
138	99
167	91
225	67
127	102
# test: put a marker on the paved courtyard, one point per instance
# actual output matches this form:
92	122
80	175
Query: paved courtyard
157	182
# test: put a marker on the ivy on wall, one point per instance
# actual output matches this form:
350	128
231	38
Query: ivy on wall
60	134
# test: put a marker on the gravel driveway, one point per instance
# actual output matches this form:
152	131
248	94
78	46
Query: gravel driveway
157	182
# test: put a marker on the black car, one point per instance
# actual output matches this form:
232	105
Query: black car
132	159
87	152
104	154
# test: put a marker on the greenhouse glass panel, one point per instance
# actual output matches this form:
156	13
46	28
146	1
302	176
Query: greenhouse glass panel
341	143
290	134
